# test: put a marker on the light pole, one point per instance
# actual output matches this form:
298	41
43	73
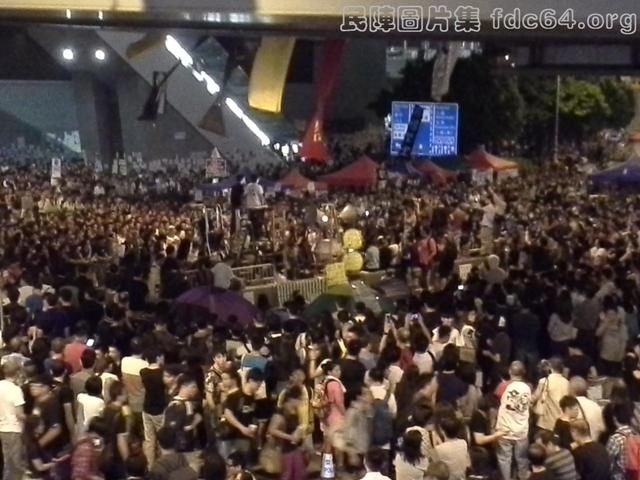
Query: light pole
557	121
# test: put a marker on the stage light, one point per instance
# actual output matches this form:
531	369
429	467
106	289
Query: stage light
507	57
68	54
324	218
276	146
100	55
294	147
285	150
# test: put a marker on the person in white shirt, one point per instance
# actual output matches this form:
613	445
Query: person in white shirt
372	258
130	368
548	394
589	410
11	421
374	463
486	226
423	358
453	451
254	194
222	275
380	390
254	201
90	404
513	422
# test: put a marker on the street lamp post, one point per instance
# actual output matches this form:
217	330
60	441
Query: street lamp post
556	138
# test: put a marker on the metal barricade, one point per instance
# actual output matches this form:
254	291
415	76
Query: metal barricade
309	288
256	274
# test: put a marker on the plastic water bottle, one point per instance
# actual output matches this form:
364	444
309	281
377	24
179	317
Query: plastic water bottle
327	470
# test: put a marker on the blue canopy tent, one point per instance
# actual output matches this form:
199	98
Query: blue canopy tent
210	189
622	177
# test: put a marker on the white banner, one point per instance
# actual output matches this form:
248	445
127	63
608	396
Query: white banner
216	165
443	69
97	165
114	167
56	168
122	166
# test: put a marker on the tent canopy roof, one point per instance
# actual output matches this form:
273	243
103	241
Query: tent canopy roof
296	181
436	173
361	173
482	160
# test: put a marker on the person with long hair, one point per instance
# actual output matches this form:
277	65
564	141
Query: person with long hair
410	462
335	410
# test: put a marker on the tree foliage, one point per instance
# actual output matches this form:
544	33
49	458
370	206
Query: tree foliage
498	107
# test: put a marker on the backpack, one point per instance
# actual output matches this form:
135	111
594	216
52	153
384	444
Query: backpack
632	457
382	423
319	399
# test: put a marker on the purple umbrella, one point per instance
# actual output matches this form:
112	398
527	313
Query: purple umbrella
217	301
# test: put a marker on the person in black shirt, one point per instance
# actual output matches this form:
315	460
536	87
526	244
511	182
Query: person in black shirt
237	196
592	459
155	402
138	291
54	441
183	417
450	387
578	364
91	310
480	425
116	444
285	428
238	423
38	466
65	396
570	412
353	372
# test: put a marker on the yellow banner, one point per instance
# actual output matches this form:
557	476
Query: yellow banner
269	73
335	274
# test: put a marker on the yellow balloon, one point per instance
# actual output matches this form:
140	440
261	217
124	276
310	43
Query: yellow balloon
352	239
353	262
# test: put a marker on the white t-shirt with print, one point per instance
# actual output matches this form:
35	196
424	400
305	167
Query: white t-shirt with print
513	415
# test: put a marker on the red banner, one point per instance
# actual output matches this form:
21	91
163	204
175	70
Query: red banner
314	145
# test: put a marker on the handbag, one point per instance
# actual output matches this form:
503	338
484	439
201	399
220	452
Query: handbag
538	407
270	457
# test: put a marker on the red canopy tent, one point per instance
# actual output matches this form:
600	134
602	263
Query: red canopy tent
361	173
436	173
480	159
296	181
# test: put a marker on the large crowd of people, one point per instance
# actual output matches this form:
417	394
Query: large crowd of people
528	367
